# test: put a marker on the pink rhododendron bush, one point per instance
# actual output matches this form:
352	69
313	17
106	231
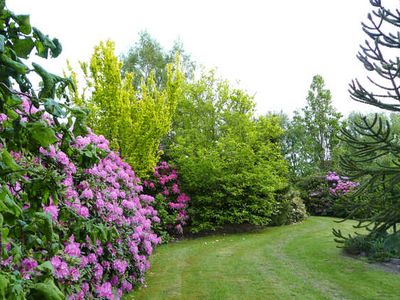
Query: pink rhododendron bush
170	202
79	216
74	222
325	195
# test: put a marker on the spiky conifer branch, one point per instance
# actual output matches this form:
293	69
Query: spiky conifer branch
375	158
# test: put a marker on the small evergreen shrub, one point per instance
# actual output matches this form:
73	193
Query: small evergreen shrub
356	245
290	208
377	247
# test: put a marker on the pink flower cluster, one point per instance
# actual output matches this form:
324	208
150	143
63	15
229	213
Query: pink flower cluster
164	183
338	185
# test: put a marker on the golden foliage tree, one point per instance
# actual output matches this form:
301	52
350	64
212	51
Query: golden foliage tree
134	122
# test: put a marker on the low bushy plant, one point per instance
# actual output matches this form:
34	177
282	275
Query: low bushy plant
377	247
356	245
290	209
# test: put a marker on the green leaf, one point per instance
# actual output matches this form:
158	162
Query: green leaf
46	291
13	100
41	133
49	81
24	23
4	234
23	47
45	267
12	64
4	283
7	203
17	292
44	43
44	222
7	162
54	108
58	48
2	43
42	51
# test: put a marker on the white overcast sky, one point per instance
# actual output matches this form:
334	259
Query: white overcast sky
273	48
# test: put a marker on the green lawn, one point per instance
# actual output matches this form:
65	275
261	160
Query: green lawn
290	262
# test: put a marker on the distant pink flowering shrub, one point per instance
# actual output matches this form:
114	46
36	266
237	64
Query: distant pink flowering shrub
170	202
321	193
339	186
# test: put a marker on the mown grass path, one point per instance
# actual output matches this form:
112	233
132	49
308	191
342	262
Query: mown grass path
290	262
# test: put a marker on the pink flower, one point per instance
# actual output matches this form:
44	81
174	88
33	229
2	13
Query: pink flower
183	198
7	262
28	264
126	286
92	258
3	117
62	158
61	271
156	219
176	205
114	280
165	192
87	193
84	262
146	198
113	195
120	265
105	290
55	261
82	142
83	211
175	189
98	271
52	210
28	107
179	228
99	251
75	275
72	248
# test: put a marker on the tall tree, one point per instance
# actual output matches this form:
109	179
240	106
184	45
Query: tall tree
311	136
147	56
376	154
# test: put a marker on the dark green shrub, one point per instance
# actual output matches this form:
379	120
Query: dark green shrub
356	245
377	247
377	251
315	193
392	244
